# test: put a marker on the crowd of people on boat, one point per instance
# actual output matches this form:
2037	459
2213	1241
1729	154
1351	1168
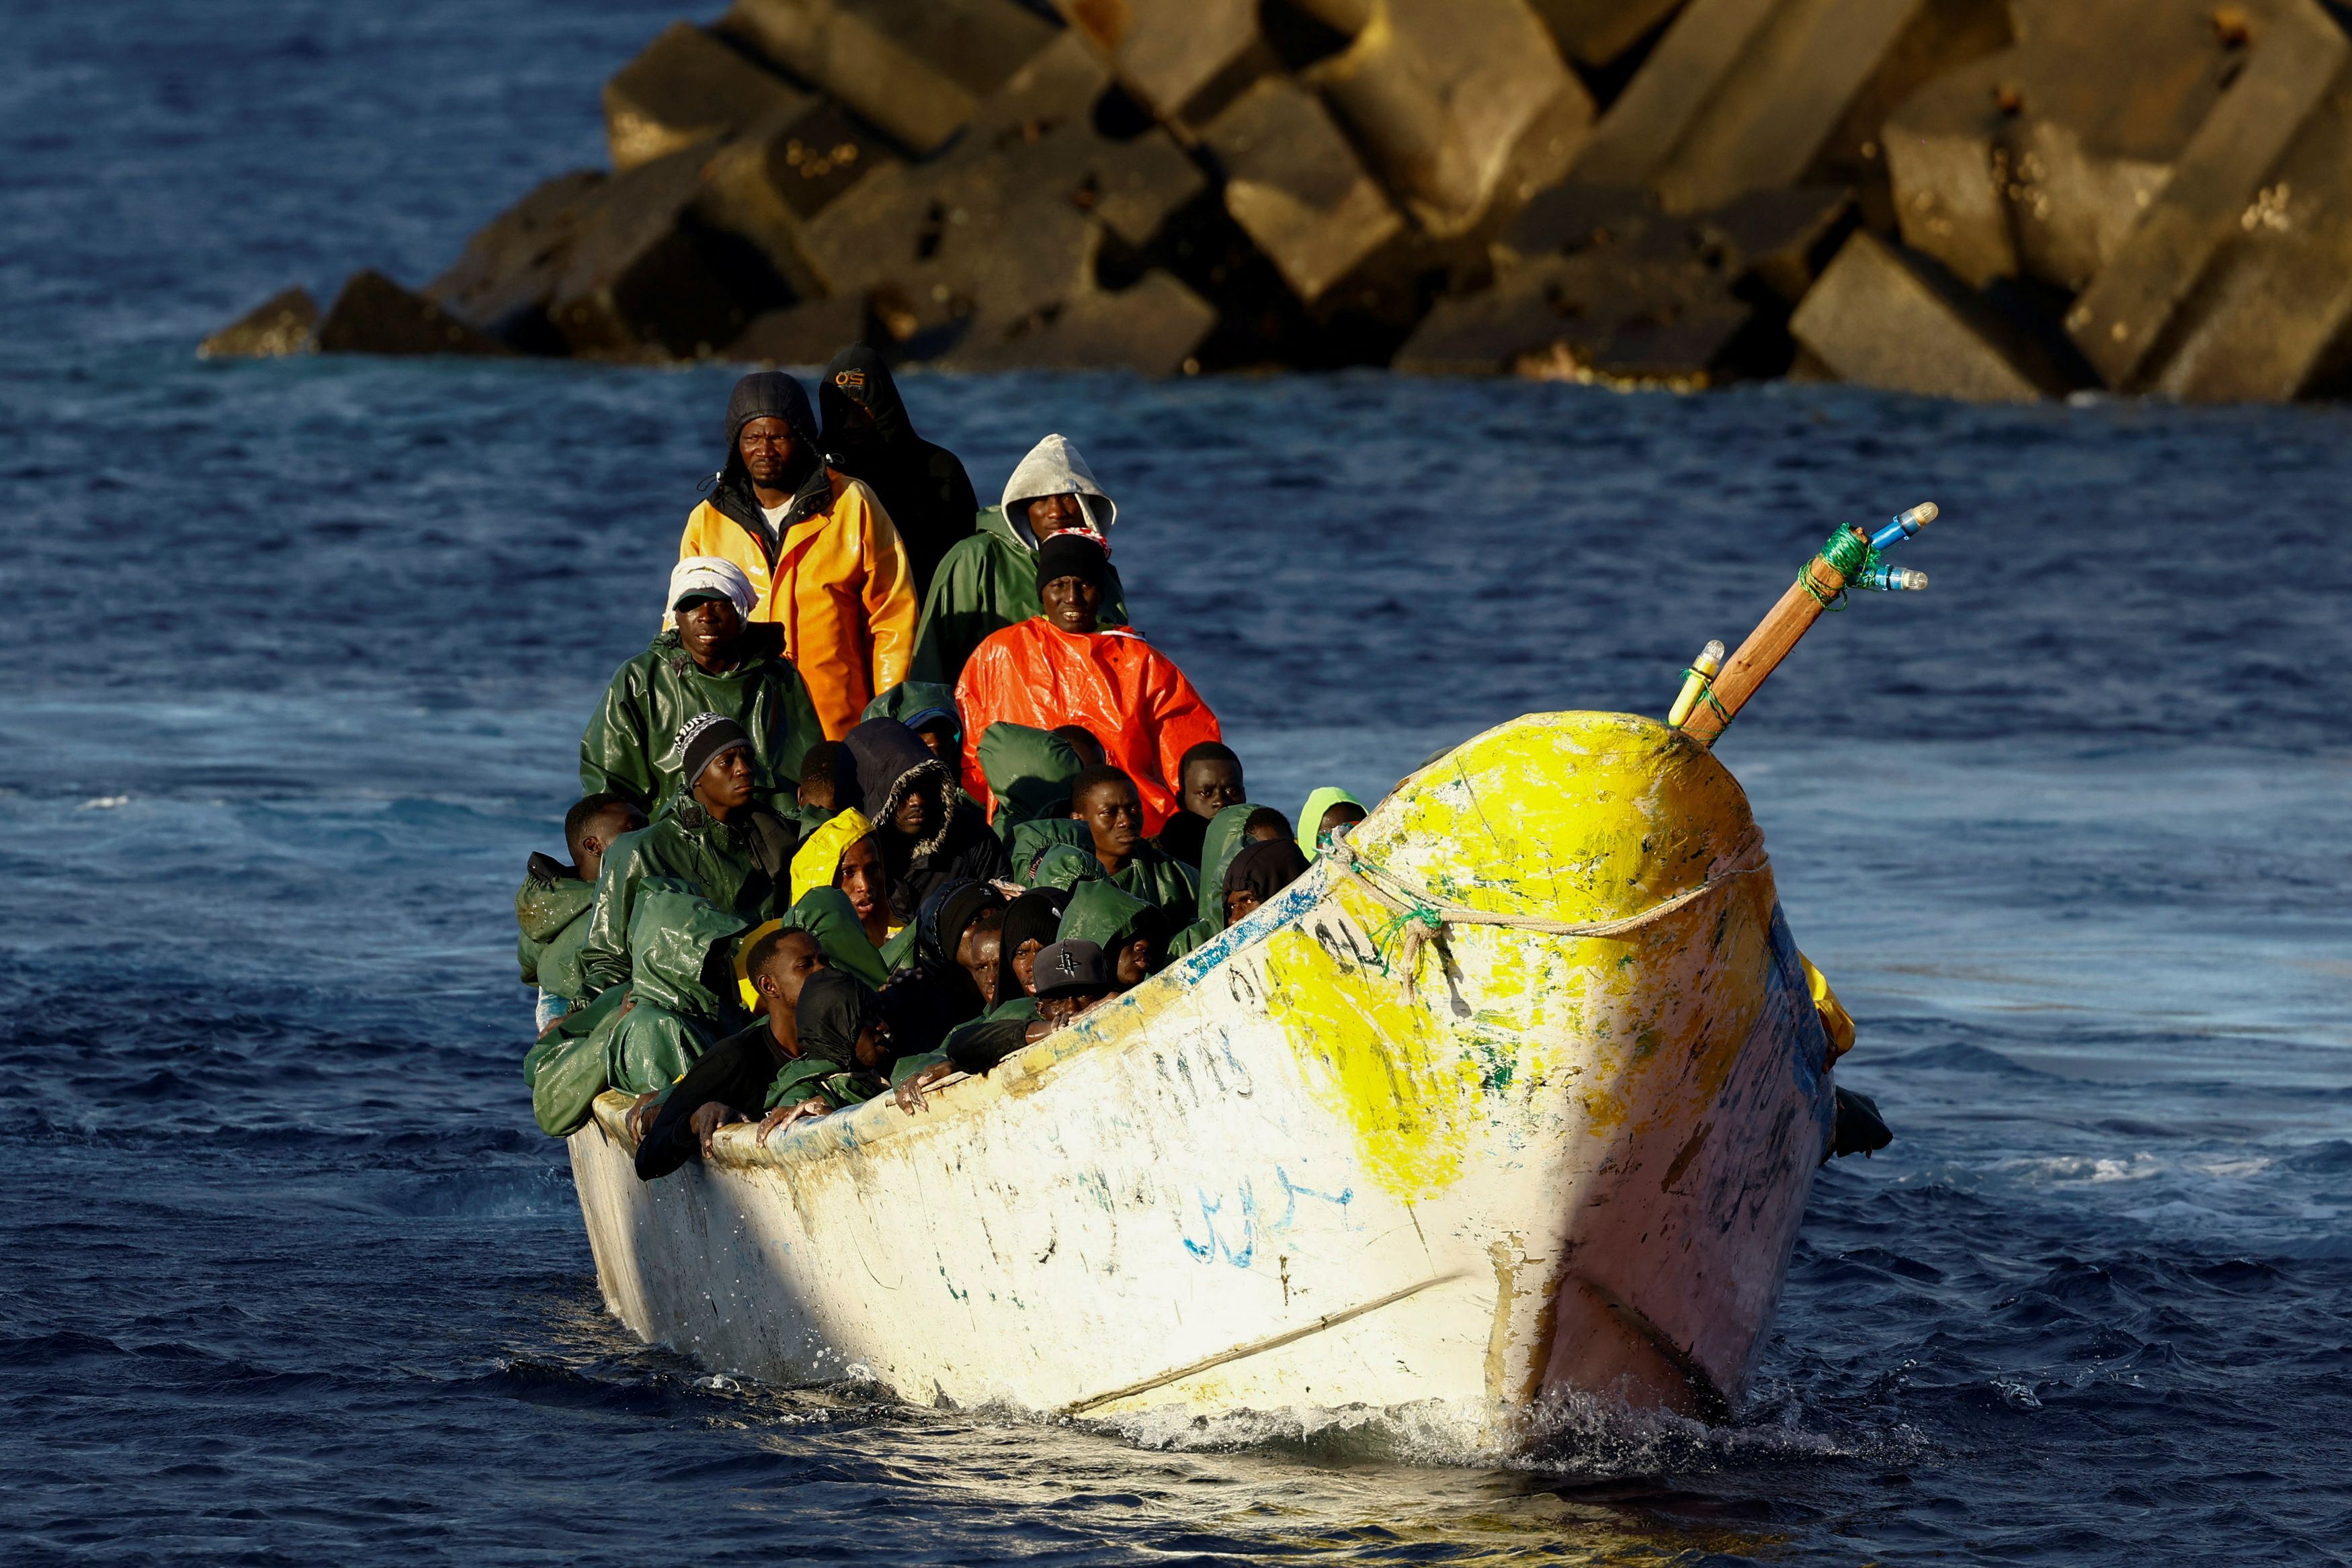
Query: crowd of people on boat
896	792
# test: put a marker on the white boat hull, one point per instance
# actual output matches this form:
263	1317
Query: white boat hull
1274	1177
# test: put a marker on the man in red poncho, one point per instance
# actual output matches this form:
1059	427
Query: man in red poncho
1060	668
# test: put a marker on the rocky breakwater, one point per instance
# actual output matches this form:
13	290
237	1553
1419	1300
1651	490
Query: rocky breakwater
1989	199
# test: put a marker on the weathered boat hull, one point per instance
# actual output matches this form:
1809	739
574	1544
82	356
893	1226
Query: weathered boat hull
1280	1176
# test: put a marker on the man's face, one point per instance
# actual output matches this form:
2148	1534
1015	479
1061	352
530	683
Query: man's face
861	877
600	836
1113	813
1049	515
941	736
1239	903
915	816
1059	1010
1070	603
765	444
726	784
796	957
708	628
980	953
1134	962
1211	785
1025	964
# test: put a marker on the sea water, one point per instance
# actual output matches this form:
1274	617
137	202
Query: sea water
293	664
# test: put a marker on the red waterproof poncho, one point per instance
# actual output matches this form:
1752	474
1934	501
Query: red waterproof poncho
1128	695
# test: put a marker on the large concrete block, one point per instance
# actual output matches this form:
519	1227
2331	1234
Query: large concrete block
1883	319
1002	222
646	277
2216	192
1151	327
1601	315
1296	187
809	333
1595	32
282	324
1461	106
502	283
1181	58
2027	163
2272	319
374	315
688	87
767	184
916	68
1744	95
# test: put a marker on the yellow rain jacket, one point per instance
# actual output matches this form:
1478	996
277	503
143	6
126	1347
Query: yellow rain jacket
818	860
839	585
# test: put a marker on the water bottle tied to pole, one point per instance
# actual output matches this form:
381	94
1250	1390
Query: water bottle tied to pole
1849	559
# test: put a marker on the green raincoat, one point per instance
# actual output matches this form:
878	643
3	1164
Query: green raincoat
630	746
1104	915
1224	841
742	866
813	1075
987	582
679	999
827	913
1065	866
1310	816
552	907
1030	841
1161	879
1029	772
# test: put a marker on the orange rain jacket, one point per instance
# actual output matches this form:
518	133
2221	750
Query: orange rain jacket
839	585
1128	694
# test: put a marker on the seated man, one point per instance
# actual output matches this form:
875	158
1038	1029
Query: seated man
674	1125
1104	800
1208	779
845	1049
712	661
1061	662
843	855
932	992
554	901
926	833
716	839
1326	811
988	581
1072	976
1258	874
1131	933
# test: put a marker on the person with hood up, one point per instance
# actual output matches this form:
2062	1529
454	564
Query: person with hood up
989	581
1072	976
717	840
1133	935
1258	874
822	555
1063	666
929	709
713	660
554	901
1230	832
845	1051
927	834
869	436
1326	811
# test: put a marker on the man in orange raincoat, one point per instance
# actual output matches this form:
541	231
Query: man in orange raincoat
1061	667
820	551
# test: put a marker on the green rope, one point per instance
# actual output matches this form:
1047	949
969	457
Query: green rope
1846	552
1432	925
1708	698
1831	602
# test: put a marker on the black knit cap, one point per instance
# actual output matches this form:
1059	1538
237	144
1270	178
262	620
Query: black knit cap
704	738
1068	554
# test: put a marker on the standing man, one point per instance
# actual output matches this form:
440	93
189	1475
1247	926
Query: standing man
869	436
818	548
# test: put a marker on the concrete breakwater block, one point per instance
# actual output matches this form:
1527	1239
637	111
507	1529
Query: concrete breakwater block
374	315
808	333
282	324
1606	313
1181	60
502	283
915	69
1296	187
688	87
1884	319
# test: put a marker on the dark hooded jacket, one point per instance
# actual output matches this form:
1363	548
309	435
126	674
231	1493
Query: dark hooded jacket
934	994
630	746
923	486
882	761
770	394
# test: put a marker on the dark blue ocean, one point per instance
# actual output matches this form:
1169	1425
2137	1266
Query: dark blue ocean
293	663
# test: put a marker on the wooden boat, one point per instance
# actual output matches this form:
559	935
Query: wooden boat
1518	1094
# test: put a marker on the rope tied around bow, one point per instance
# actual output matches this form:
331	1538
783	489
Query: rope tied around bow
1421	918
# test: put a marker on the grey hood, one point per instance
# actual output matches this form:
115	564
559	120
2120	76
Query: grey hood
1054	467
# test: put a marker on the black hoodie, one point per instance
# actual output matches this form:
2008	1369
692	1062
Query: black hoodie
882	761
765	394
923	486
